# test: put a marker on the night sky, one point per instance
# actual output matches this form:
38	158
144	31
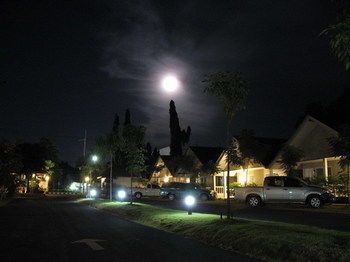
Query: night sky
71	65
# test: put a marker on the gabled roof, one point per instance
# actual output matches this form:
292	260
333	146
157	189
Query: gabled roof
266	149
269	147
311	137
206	154
174	166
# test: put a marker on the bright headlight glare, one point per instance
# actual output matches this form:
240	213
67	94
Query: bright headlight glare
93	193
121	194
190	200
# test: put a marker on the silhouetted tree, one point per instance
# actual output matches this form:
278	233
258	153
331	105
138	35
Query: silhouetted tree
34	155
175	132
185	134
10	162
127	119
115	123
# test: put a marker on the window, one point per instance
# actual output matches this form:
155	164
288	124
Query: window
189	186
219	181
291	182
274	181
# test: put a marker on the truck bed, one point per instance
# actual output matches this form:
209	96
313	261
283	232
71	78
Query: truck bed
242	192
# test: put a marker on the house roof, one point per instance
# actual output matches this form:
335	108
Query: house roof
269	148
311	137
206	154
173	163
265	149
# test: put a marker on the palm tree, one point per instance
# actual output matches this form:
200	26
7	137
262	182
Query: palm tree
290	157
231	90
339	34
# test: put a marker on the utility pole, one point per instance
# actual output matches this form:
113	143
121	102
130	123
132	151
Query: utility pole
84	153
111	179
84	143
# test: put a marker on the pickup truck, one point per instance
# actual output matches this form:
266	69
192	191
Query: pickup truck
149	190
282	189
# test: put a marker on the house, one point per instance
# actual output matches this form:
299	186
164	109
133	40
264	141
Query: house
256	170
168	169
177	169
311	137
203	156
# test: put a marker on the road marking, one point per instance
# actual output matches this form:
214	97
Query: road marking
91	243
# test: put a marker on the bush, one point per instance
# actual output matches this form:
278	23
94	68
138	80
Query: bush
234	184
337	184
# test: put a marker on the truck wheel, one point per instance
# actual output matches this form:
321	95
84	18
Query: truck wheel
138	195
171	197
315	201
254	201
204	197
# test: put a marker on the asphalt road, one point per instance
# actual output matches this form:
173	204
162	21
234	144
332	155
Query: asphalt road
45	229
295	214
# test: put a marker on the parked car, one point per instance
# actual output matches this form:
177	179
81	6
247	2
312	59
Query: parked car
149	190
177	190
282	189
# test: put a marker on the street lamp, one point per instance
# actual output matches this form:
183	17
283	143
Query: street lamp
94	158
190	201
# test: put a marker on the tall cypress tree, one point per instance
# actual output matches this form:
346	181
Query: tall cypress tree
185	135
115	123
127	119
175	132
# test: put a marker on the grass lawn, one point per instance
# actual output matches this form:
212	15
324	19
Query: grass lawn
271	241
332	208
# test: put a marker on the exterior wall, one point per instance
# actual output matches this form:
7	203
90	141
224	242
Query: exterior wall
161	177
314	168
253	176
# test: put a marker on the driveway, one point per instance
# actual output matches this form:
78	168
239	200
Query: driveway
46	229
327	217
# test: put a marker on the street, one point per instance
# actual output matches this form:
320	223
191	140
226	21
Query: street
46	229
295	214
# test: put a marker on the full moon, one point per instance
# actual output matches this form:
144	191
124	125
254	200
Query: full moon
170	83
